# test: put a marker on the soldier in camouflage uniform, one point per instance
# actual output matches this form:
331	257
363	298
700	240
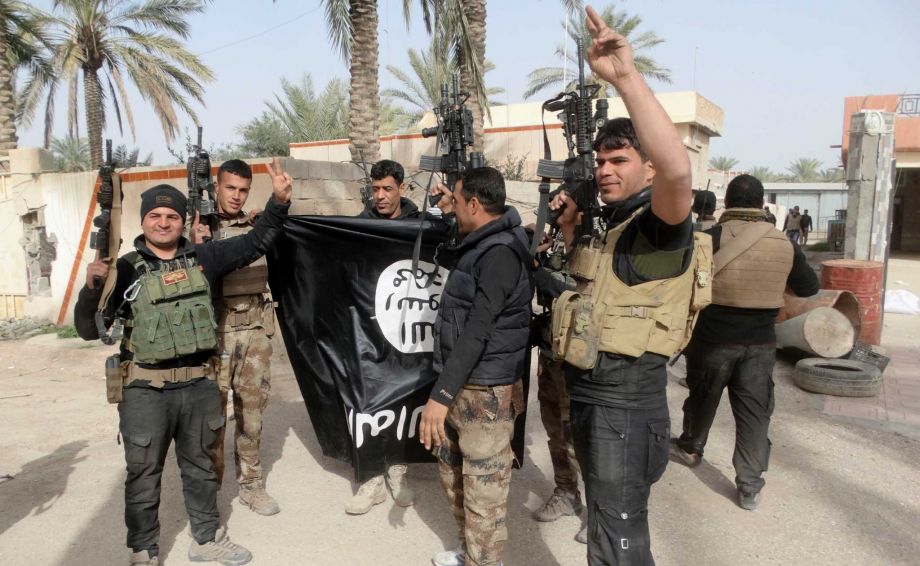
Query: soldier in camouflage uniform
551	280
481	335
246	322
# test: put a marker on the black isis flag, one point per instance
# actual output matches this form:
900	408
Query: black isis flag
358	327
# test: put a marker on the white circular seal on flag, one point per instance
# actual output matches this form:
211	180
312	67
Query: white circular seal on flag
406	304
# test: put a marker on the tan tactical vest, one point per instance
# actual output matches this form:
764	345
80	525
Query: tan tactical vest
607	315
245	300
756	278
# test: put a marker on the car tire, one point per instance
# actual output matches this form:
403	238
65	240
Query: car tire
842	378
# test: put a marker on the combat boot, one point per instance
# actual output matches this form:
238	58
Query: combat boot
449	558
560	504
399	485
372	492
219	550
143	558
257	499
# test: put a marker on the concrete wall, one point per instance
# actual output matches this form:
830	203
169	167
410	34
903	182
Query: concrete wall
65	199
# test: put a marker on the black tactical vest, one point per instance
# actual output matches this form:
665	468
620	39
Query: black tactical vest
502	361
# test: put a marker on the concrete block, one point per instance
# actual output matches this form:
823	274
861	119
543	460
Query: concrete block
320	170
30	161
297	168
346	171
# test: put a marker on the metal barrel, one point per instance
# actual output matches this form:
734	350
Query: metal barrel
865	279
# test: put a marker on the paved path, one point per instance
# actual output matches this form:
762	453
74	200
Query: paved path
897	407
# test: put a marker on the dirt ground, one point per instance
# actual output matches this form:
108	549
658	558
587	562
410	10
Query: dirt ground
837	493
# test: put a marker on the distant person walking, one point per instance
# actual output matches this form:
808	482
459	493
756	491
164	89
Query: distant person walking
793	225
806	228
770	217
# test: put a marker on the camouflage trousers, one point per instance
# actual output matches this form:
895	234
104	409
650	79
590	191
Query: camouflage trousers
475	467
250	354
555	413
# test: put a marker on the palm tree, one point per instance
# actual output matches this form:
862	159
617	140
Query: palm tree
124	157
804	170
832	175
101	41
763	174
71	154
312	117
23	45
431	69
723	163
350	23
621	22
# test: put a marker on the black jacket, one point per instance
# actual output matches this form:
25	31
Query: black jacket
502	351
407	209
216	258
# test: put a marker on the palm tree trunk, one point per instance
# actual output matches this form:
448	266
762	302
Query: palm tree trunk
95	117
364	99
475	11
8	138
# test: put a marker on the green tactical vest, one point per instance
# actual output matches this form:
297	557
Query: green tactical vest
173	313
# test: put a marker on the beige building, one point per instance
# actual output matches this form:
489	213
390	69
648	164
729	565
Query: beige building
516	131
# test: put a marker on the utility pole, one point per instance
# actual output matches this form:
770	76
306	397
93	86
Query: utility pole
869	171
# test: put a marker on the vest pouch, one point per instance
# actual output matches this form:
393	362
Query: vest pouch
151	337
561	323
630	328
584	262
193	328
575	332
153	286
703	269
114	385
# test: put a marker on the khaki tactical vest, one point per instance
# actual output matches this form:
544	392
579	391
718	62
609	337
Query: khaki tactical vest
605	314
245	300
756	278
172	313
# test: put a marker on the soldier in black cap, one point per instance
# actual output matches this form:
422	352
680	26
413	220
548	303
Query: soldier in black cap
165	379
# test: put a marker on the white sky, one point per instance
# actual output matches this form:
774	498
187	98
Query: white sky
779	69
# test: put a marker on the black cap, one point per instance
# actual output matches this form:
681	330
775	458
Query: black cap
163	195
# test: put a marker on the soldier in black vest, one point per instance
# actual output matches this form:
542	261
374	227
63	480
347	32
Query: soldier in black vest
481	338
166	380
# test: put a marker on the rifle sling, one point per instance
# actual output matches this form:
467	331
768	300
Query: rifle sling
543	205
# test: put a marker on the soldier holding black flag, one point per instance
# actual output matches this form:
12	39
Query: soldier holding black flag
164	378
388	202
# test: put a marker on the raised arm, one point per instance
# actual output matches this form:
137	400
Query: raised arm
611	59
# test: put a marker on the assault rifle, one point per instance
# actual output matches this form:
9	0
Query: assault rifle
579	124
200	186
367	184
454	134
101	240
